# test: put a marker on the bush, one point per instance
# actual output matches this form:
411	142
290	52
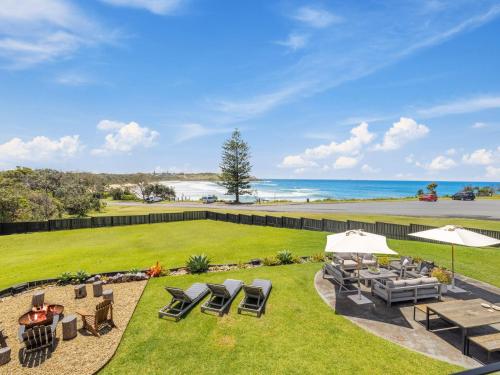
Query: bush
417	260
81	276
134	270
285	257
297	259
318	258
443	276
383	261
198	263
270	261
65	277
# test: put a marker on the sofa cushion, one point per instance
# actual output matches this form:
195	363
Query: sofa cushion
429	280
369	262
350	263
424	271
344	255
413	282
396	283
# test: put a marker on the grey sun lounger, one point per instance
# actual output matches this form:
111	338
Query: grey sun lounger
183	301
222	296
256	295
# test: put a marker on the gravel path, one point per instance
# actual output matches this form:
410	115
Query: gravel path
83	355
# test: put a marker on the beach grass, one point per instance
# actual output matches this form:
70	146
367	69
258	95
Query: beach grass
42	255
298	334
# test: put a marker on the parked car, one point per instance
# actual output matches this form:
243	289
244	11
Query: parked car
153	199
428	197
209	199
463	196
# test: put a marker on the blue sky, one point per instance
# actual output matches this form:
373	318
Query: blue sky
333	89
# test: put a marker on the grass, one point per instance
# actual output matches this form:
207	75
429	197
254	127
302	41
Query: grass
405	220
48	254
299	334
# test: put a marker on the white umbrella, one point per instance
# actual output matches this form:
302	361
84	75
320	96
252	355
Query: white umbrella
456	236
357	241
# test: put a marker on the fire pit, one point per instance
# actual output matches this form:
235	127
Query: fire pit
40	316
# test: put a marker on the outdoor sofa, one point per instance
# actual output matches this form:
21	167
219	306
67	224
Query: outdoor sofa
423	269
349	261
407	290
345	280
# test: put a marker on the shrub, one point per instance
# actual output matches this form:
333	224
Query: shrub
417	260
270	261
65	277
297	259
155	270
318	258
285	257
383	261
443	276
198	263
81	276
134	270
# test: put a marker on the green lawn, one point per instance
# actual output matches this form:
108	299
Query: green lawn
435	221
48	254
299	334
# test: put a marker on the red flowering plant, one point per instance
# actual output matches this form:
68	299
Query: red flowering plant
155	270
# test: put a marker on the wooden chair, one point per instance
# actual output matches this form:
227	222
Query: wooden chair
102	317
39	337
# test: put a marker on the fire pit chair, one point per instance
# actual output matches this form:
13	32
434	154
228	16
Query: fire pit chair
38	337
102	317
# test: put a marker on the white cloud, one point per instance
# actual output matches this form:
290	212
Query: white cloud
360	136
315	17
190	131
40	148
410	158
345	162
73	79
451	152
368	169
294	41
124	137
162	7
479	125
349	151
439	163
492	172
34	32
479	157
463	106
401	132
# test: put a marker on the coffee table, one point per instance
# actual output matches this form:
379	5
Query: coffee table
367	276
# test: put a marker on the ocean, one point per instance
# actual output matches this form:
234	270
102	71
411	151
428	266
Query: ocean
301	190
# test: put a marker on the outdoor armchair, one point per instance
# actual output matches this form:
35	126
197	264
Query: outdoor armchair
38	337
345	281
102	317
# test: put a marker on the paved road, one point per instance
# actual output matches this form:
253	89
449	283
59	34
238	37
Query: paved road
480	209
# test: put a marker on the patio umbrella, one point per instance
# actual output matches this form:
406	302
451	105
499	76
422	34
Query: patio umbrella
359	242
456	235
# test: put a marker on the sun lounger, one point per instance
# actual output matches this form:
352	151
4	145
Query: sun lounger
256	296
183	301
222	296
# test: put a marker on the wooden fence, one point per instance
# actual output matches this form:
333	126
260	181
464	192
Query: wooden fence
394	231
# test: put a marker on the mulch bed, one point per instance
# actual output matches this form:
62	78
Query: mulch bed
84	354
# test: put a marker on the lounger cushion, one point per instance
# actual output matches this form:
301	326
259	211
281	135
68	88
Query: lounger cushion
196	290
265	285
232	286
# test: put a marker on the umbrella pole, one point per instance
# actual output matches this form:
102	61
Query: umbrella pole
359	281
452	266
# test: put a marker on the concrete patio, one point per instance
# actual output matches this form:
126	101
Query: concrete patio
396	323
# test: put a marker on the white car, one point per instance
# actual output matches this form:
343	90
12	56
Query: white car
209	199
